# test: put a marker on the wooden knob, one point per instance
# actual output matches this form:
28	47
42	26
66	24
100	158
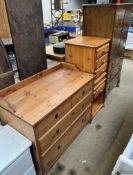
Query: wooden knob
83	92
56	116
57	131
59	147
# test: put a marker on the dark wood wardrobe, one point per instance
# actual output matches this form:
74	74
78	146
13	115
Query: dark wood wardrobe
110	21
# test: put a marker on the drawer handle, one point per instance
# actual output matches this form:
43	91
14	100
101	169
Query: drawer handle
56	116
59	147
104	61
83	106
82	120
57	131
83	92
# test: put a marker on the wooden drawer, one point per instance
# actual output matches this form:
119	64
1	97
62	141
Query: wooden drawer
101	61
52	118
102	50
82	93
114	71
99	83
59	147
57	130
103	76
110	85
114	62
99	90
101	70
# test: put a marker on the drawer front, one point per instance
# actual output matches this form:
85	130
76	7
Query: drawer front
56	150
112	83
52	118
16	167
99	79
114	62
99	90
112	73
82	93
102	50
57	130
96	86
101	61
101	70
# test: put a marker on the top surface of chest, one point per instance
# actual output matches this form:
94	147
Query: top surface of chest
37	96
88	41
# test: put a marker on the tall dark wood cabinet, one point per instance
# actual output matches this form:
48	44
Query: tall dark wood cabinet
110	21
26	24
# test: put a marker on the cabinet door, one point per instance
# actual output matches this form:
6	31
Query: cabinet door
120	12
124	31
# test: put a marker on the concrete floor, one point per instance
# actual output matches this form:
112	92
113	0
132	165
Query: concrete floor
96	149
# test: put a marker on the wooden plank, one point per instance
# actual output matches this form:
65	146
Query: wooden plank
4	68
4	24
26	22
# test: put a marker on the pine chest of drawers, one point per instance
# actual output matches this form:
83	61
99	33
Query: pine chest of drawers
50	108
90	54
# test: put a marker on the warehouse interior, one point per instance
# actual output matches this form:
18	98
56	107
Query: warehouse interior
66	91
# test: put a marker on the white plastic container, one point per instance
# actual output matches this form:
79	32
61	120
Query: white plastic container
124	164
15	156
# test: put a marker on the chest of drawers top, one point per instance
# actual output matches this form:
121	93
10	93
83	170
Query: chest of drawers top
35	97
88	41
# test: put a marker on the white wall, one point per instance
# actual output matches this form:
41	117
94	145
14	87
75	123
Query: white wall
72	4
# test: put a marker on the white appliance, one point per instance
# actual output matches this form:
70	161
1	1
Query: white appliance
15	156
124	164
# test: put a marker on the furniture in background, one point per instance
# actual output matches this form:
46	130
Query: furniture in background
90	54
111	21
54	56
15	156
50	120
27	34
6	72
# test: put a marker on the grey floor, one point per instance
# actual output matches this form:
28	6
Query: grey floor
96	149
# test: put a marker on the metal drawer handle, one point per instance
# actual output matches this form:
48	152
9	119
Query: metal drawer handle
56	116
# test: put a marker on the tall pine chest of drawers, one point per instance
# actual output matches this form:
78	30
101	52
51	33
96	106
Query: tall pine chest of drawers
50	108
109	21
90	54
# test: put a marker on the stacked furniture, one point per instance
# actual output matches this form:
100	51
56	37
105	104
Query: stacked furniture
111	21
15	156
90	54
50	108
